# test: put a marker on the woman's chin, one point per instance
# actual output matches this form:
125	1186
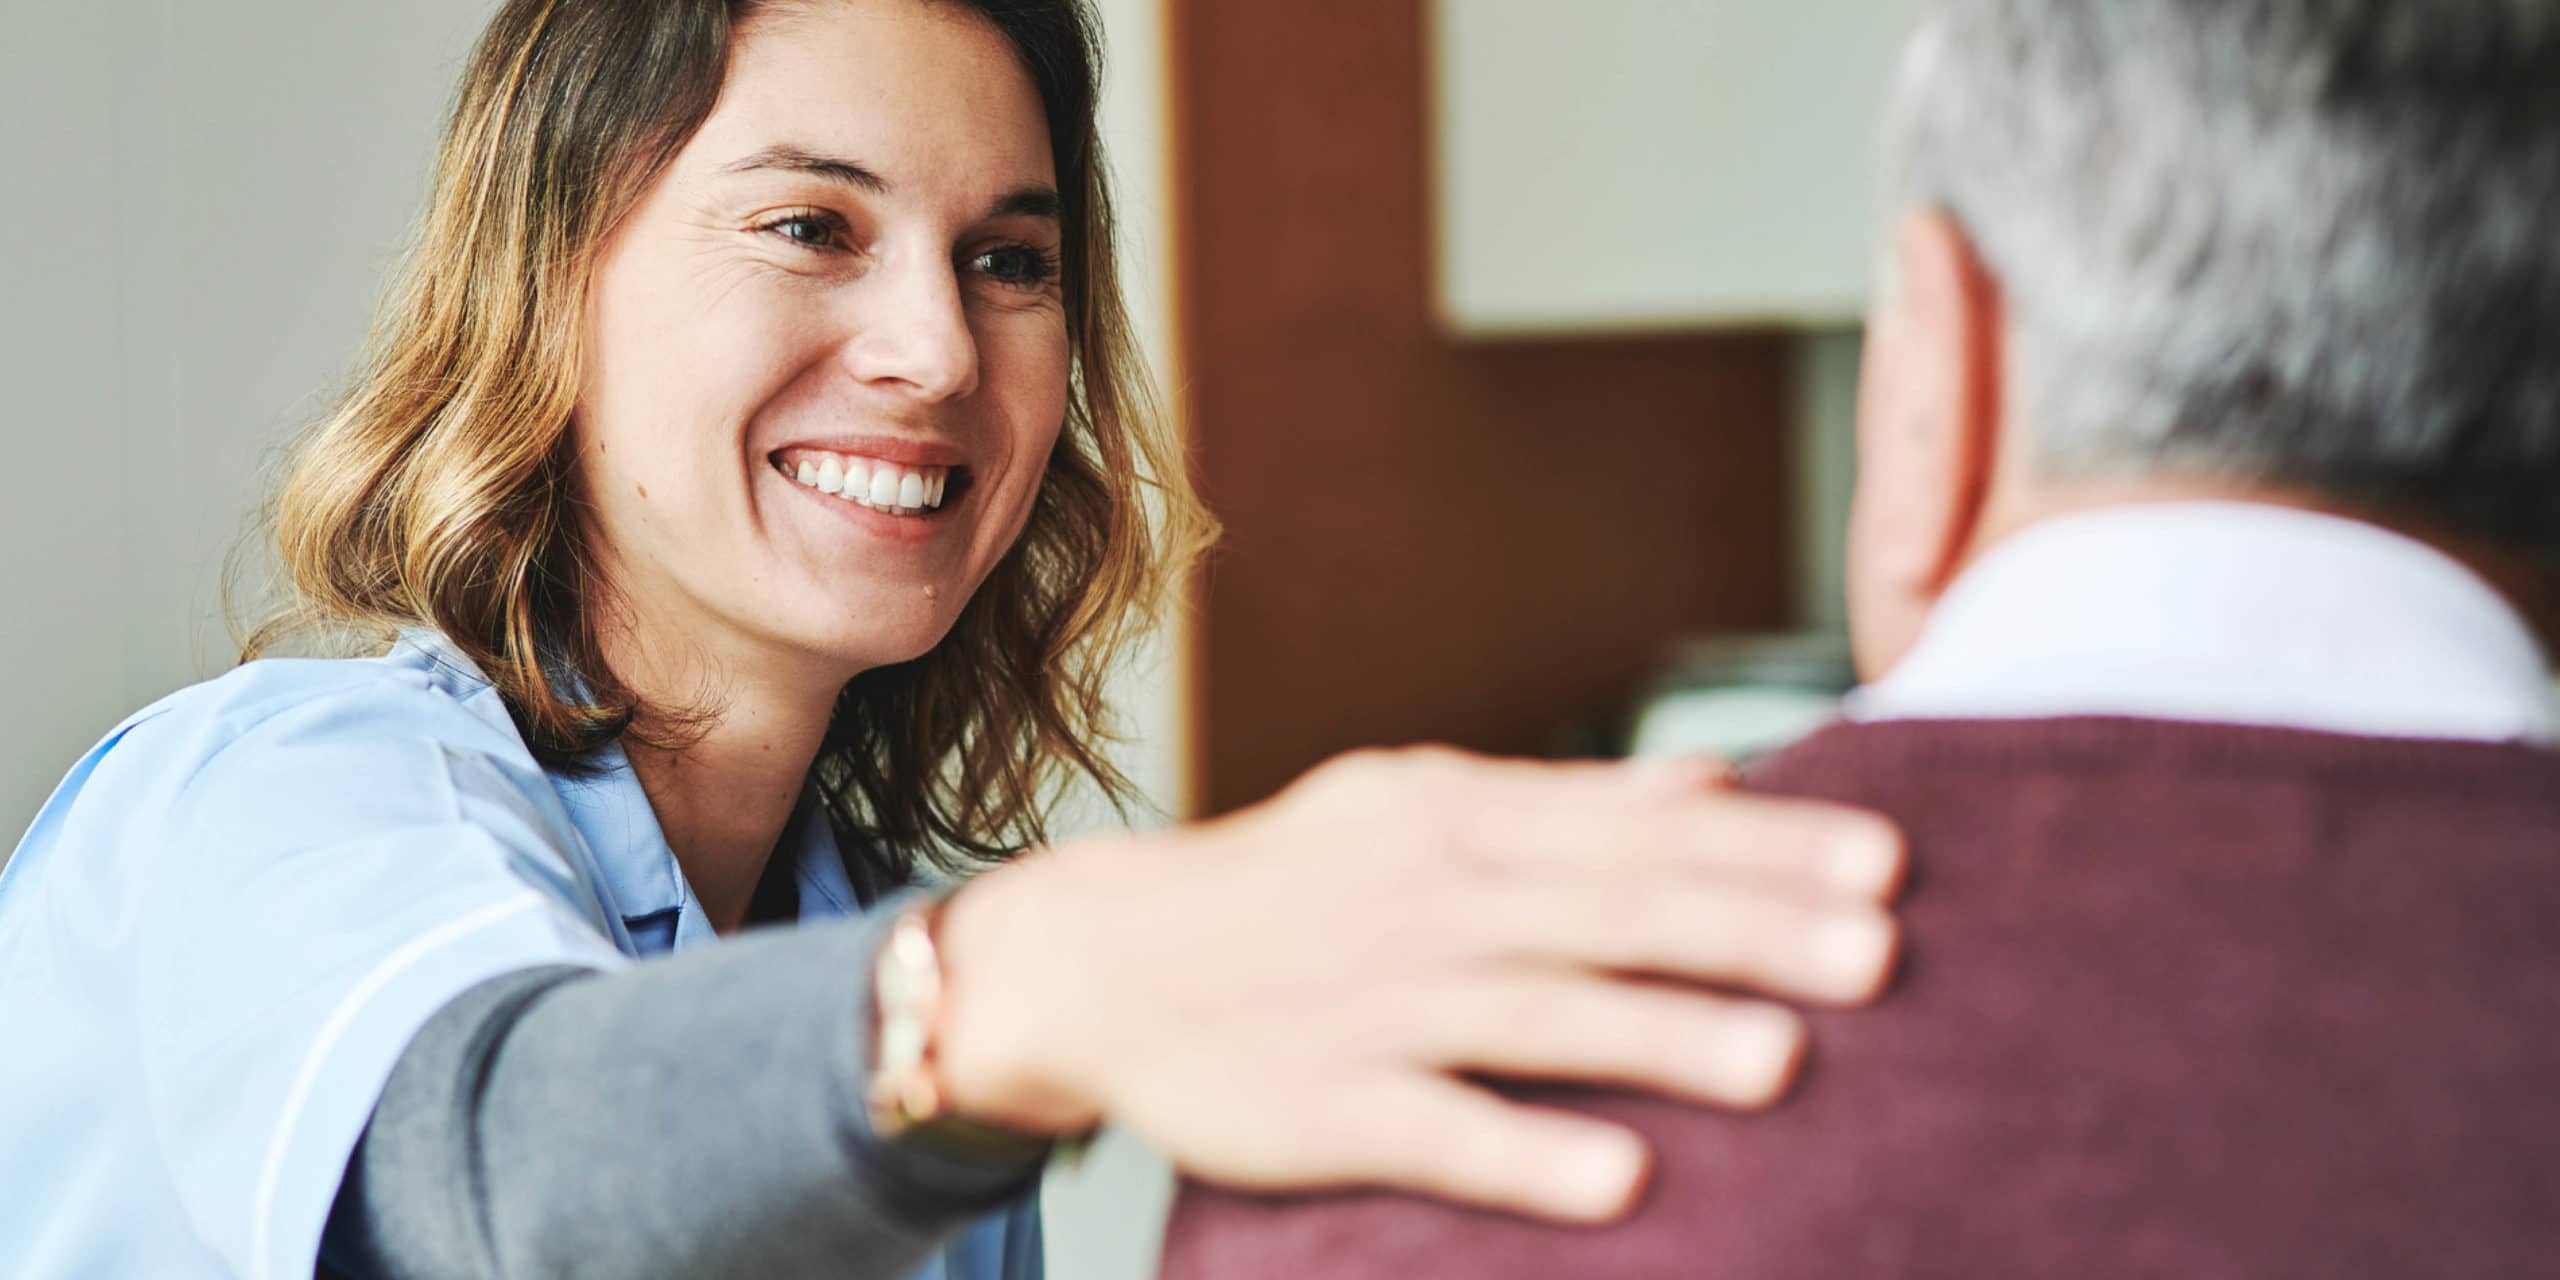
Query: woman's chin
877	641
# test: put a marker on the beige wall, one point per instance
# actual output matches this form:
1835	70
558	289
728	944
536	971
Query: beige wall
61	502
1697	163
203	199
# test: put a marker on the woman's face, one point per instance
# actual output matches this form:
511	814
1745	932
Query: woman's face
826	354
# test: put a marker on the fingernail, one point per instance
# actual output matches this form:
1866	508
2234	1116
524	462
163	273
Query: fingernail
1598	1176
1855	950
1759	1050
1865	860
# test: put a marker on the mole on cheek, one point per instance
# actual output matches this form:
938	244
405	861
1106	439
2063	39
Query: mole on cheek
644	489
933	593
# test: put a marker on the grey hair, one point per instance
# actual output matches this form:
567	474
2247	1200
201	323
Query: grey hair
2306	243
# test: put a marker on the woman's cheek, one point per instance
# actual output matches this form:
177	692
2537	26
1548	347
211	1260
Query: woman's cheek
1041	383
1025	366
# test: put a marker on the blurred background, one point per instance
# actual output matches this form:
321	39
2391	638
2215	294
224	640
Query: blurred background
1515	341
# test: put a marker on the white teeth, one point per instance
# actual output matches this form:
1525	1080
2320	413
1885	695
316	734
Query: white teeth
879	485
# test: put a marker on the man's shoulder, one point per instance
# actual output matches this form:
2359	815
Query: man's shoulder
1892	763
2160	973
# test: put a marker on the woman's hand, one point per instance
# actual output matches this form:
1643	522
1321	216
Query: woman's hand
1290	998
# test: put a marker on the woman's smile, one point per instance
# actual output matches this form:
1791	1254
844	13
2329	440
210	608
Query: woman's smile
905	491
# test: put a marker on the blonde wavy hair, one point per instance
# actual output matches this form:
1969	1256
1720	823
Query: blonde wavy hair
440	492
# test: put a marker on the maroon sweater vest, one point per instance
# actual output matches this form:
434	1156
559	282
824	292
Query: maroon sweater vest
2179	1001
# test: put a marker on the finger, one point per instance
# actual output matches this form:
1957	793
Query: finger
1434	1136
1588	1029
1680	775
1728	934
1666	774
1821	849
1659	814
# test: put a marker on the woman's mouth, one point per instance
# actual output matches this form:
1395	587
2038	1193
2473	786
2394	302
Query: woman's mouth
883	486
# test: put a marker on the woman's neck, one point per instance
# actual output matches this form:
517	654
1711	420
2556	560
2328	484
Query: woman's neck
726	789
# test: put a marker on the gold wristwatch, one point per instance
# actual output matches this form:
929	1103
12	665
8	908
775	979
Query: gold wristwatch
907	1101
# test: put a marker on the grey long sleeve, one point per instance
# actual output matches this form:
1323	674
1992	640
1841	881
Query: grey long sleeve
693	1116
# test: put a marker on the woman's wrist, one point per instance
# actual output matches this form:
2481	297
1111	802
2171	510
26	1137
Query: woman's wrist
1009	1021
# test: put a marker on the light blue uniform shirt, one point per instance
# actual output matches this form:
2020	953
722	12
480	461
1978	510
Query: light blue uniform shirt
230	919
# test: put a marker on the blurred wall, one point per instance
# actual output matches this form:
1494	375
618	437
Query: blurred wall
1826	469
60	632
204	200
1429	539
1618	165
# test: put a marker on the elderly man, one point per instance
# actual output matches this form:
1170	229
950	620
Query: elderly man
2209	508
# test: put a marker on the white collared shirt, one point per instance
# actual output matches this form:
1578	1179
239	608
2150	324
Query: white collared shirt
2226	613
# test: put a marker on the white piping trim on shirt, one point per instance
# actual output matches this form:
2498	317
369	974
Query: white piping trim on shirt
261	1229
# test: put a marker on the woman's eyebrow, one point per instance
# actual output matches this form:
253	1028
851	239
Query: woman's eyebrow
1028	202
852	173
1034	201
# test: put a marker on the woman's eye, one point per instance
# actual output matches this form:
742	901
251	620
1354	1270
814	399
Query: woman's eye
1018	265
809	231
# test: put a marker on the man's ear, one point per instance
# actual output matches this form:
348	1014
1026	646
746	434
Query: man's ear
1929	418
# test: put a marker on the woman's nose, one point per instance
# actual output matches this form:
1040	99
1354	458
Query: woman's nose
914	336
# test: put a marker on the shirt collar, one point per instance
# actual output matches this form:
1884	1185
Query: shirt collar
2231	613
827	886
638	872
612	812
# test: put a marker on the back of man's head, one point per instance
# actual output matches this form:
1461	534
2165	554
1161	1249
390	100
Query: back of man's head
2300	244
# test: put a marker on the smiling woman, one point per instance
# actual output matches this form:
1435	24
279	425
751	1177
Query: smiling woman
738	516
839	235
